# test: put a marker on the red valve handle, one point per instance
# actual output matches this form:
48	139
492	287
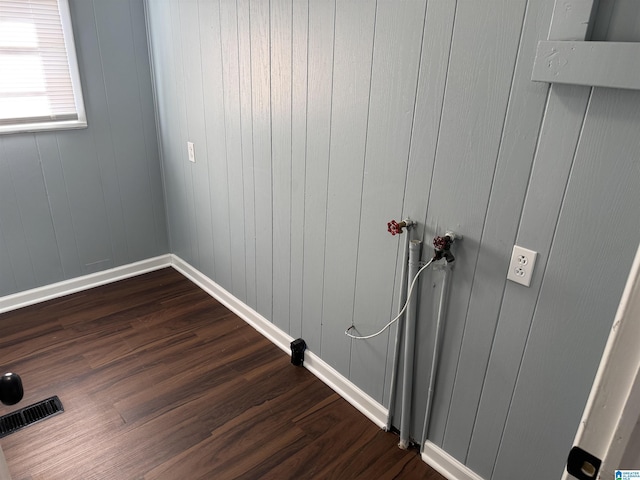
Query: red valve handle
442	243
395	228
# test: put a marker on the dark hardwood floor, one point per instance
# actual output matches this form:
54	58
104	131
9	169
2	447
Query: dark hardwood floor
160	381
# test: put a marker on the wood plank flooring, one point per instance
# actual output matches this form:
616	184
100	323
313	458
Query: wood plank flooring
160	381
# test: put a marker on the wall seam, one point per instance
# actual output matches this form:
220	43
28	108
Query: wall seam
364	163
226	143
46	189
484	222
326	214
442	109
115	162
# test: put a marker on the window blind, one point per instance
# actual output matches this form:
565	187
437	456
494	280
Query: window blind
36	67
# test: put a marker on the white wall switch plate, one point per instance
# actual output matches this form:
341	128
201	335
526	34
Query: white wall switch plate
192	152
521	266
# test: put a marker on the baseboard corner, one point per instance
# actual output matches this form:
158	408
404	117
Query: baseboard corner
364	403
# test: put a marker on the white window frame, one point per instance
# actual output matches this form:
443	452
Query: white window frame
81	121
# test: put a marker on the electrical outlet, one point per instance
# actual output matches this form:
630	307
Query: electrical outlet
191	151
521	266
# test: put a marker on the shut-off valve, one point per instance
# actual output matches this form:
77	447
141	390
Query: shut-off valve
396	228
441	244
442	247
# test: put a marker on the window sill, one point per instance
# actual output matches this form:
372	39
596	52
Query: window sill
43	127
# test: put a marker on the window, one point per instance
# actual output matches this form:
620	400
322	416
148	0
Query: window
39	80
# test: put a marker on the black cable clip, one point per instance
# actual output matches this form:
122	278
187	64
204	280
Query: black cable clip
298	347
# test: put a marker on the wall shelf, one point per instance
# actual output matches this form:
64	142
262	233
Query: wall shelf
598	64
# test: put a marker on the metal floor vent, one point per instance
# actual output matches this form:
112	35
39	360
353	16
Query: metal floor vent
19	419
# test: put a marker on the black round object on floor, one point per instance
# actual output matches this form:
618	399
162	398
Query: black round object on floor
11	391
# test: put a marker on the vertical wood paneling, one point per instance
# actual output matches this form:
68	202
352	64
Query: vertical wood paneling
624	24
177	156
398	28
160	27
246	119
150	137
164	61
86	200
578	299
299	55
332	122
560	133
33	207
478	86
351	83
281	45
557	143
233	129
7	280
182	117
320	71
13	234
115	41
434	63
209	13
602	20
261	115
159	99
517	149
99	120
59	203
196	132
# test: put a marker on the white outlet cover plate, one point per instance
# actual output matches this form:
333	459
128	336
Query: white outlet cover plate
521	266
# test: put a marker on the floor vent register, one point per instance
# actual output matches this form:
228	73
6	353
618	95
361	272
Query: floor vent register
19	419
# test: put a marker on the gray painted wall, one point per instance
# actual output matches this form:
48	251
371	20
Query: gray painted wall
76	202
316	122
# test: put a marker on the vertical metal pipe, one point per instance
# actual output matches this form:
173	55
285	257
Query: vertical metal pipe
399	330
409	346
436	347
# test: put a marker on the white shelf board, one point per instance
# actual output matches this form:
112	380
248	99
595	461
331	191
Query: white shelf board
598	64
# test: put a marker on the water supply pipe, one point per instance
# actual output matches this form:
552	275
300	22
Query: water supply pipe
442	252
396	349
415	247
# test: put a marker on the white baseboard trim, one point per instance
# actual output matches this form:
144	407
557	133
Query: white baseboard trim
67	287
445	464
321	369
369	407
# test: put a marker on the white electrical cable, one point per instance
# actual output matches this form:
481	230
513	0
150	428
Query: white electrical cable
413	282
